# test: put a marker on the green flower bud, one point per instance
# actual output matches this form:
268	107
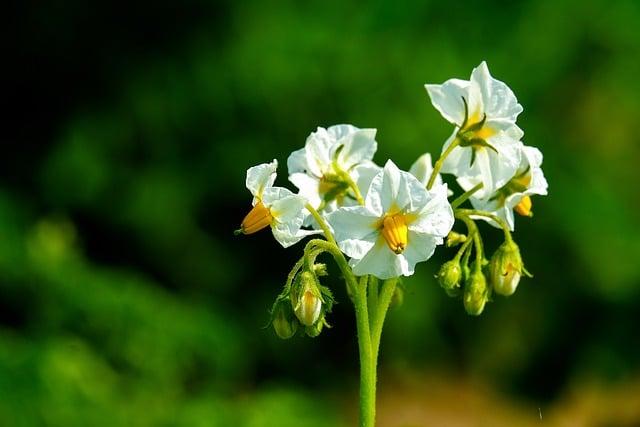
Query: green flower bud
320	270
454	239
284	322
314	330
449	277
476	293
506	268
307	300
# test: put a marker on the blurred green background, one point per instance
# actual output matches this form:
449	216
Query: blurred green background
125	299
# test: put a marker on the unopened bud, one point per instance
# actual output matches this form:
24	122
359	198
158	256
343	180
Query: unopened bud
307	301
454	239
476	293
320	270
449	277
506	268
284	323
314	330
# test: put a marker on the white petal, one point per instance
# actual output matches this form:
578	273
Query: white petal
358	147
422	169
381	262
308	187
363	175
492	169
318	149
261	177
447	99
355	229
297	162
498	99
420	247
337	132
392	193
290	233
284	205
436	217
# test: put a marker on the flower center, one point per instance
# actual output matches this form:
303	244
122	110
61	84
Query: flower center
395	232
524	207
332	187
258	218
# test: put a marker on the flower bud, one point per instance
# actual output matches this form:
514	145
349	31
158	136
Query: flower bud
320	270
476	293
284	323
454	239
307	301
449	277
506	268
314	330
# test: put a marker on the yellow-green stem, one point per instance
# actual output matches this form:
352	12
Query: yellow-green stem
438	164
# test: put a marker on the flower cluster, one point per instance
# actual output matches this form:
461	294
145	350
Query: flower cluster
378	222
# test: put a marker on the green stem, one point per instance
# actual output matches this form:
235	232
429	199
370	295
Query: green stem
372	298
356	191
438	164
322	223
367	363
464	196
497	219
473	231
384	300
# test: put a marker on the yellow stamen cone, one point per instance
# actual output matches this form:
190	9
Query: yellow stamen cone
395	231
258	218
524	207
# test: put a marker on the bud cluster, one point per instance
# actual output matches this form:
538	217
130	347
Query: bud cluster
477	282
303	305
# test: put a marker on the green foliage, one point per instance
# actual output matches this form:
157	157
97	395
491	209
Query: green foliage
126	300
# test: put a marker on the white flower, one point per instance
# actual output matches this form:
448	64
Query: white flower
331	162
276	207
515	194
484	111
400	225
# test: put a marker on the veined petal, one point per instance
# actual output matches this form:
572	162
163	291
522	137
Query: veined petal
392	193
420	248
260	177
436	217
284	205
498	99
447	99
422	169
308	187
318	150
354	229
364	174
290	233
297	162
381	262
358	147
337	132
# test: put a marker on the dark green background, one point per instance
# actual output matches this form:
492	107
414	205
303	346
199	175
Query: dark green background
126	300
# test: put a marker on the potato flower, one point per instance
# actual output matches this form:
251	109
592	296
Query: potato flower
335	166
399	225
515	194
276	207
486	137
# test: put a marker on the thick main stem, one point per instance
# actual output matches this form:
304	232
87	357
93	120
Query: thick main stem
367	363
